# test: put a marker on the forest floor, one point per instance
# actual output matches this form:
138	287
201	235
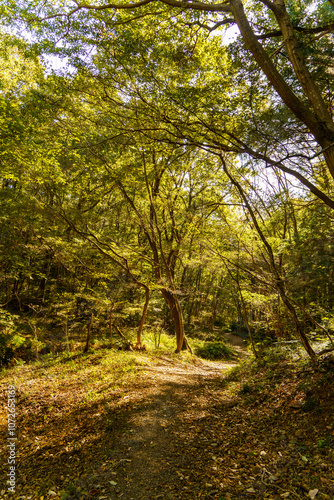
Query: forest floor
169	428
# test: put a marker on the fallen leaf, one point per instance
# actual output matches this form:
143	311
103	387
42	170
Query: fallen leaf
313	493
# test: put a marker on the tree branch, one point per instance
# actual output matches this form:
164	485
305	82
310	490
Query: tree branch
219	7
214	27
299	29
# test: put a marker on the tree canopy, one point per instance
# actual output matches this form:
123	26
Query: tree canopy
163	158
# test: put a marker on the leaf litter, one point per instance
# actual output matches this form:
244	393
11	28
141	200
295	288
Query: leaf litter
177	431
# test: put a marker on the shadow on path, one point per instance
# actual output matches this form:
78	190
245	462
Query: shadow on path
150	462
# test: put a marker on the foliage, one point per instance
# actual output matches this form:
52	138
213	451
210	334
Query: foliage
214	350
9	339
160	184
98	404
120	179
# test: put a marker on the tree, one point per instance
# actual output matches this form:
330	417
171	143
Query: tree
146	127
285	46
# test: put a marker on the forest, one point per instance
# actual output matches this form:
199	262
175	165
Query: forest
167	186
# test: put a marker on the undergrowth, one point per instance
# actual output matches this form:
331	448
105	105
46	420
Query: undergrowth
74	405
213	350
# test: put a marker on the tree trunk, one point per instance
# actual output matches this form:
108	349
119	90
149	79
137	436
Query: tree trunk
66	335
316	117
244	310
88	333
142	321
175	309
329	157
110	326
213	313
296	322
279	284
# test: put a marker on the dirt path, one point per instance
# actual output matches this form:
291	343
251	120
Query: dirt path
176	430
151	457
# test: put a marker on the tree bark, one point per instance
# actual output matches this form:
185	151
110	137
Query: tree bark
296	322
301	70
317	119
88	333
110	326
175	309
142	321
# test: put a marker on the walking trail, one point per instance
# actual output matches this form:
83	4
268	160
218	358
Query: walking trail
156	444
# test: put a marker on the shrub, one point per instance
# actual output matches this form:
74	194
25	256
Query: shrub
246	389
7	329
214	350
